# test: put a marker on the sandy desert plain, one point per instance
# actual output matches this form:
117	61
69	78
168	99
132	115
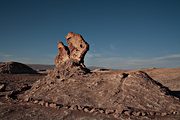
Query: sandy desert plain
70	91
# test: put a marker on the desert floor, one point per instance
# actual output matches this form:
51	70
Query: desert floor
14	85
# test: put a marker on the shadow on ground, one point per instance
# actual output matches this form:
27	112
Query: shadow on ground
176	94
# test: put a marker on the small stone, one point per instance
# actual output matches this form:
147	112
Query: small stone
128	113
79	107
174	112
2	87
7	97
136	113
101	111
152	113
86	110
47	104
158	113
95	113
109	111
26	99
143	113
116	115
41	102
119	109
73	107
92	110
36	101
53	105
66	107
163	114
58	107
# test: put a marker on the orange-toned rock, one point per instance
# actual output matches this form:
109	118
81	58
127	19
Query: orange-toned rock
63	54
78	46
70	59
73	54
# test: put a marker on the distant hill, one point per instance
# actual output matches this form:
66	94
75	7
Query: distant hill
15	68
45	67
41	67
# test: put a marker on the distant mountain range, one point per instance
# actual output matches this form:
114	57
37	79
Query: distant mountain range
40	67
45	67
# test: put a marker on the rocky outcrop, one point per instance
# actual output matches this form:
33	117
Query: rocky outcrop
70	59
75	52
128	93
63	54
15	68
132	93
78	47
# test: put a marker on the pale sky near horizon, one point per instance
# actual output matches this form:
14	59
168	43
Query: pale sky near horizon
122	34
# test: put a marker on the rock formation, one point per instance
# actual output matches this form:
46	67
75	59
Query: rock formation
126	93
63	54
77	46
15	68
70	59
75	52
130	93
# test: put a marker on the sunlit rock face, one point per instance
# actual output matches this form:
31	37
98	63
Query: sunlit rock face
70	59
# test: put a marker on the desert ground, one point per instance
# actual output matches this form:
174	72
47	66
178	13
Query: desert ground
13	108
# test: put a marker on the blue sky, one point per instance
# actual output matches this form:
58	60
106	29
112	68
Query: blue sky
122	34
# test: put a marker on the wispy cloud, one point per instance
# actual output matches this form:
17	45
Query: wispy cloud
93	55
5	56
97	59
130	63
169	57
46	59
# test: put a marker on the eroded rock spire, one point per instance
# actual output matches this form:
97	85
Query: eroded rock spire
70	59
75	51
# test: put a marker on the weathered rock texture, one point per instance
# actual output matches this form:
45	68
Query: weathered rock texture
133	92
77	46
75	52
70	59
129	93
15	68
63	54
